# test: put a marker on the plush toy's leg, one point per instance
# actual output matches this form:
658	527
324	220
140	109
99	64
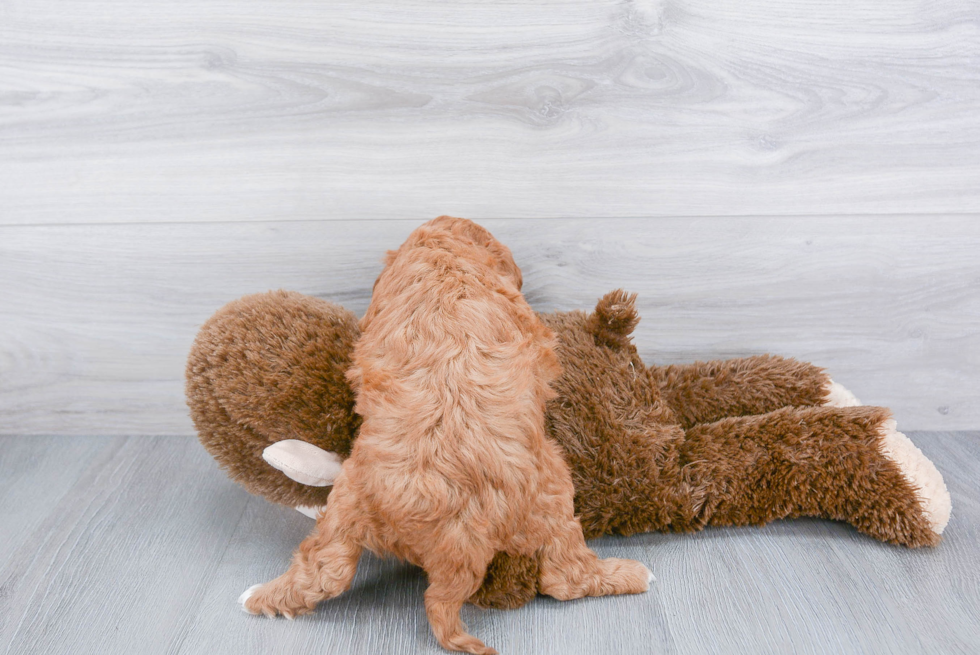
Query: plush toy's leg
709	391
848	464
323	567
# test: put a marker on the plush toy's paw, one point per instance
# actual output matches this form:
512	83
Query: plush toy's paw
921	473
838	396
313	512
303	462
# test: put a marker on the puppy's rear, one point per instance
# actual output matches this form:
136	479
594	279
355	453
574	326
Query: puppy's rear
452	463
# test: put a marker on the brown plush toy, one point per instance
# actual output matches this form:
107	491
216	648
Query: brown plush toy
737	442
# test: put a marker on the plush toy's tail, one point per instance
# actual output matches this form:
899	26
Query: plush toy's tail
614	319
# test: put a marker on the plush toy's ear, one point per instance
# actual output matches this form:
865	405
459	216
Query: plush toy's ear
614	318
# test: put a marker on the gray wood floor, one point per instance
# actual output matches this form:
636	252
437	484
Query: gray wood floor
141	545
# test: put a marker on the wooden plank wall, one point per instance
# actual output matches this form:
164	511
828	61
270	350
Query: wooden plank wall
794	177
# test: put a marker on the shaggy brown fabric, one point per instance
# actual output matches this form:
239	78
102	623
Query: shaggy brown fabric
614	319
754	469
703	392
268	367
511	581
739	442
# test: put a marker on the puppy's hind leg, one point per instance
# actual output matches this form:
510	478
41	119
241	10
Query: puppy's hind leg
450	584
323	567
569	569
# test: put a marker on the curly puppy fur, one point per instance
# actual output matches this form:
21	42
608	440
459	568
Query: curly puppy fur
452	464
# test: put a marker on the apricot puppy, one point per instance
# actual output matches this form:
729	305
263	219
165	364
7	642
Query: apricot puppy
452	463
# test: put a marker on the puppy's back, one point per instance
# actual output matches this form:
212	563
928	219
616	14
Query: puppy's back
452	373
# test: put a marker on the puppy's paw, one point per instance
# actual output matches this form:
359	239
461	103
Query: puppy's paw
248	593
627	576
648	578
931	491
466	643
264	599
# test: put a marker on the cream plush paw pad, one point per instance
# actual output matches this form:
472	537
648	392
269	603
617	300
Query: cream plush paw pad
921	473
312	512
303	462
839	396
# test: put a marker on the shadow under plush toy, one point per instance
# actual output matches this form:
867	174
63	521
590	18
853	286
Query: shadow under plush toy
736	442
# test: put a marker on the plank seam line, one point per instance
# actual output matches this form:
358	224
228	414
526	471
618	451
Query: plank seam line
652	217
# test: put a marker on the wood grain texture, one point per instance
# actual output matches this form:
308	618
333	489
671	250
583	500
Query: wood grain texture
119	561
144	546
96	320
209	110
